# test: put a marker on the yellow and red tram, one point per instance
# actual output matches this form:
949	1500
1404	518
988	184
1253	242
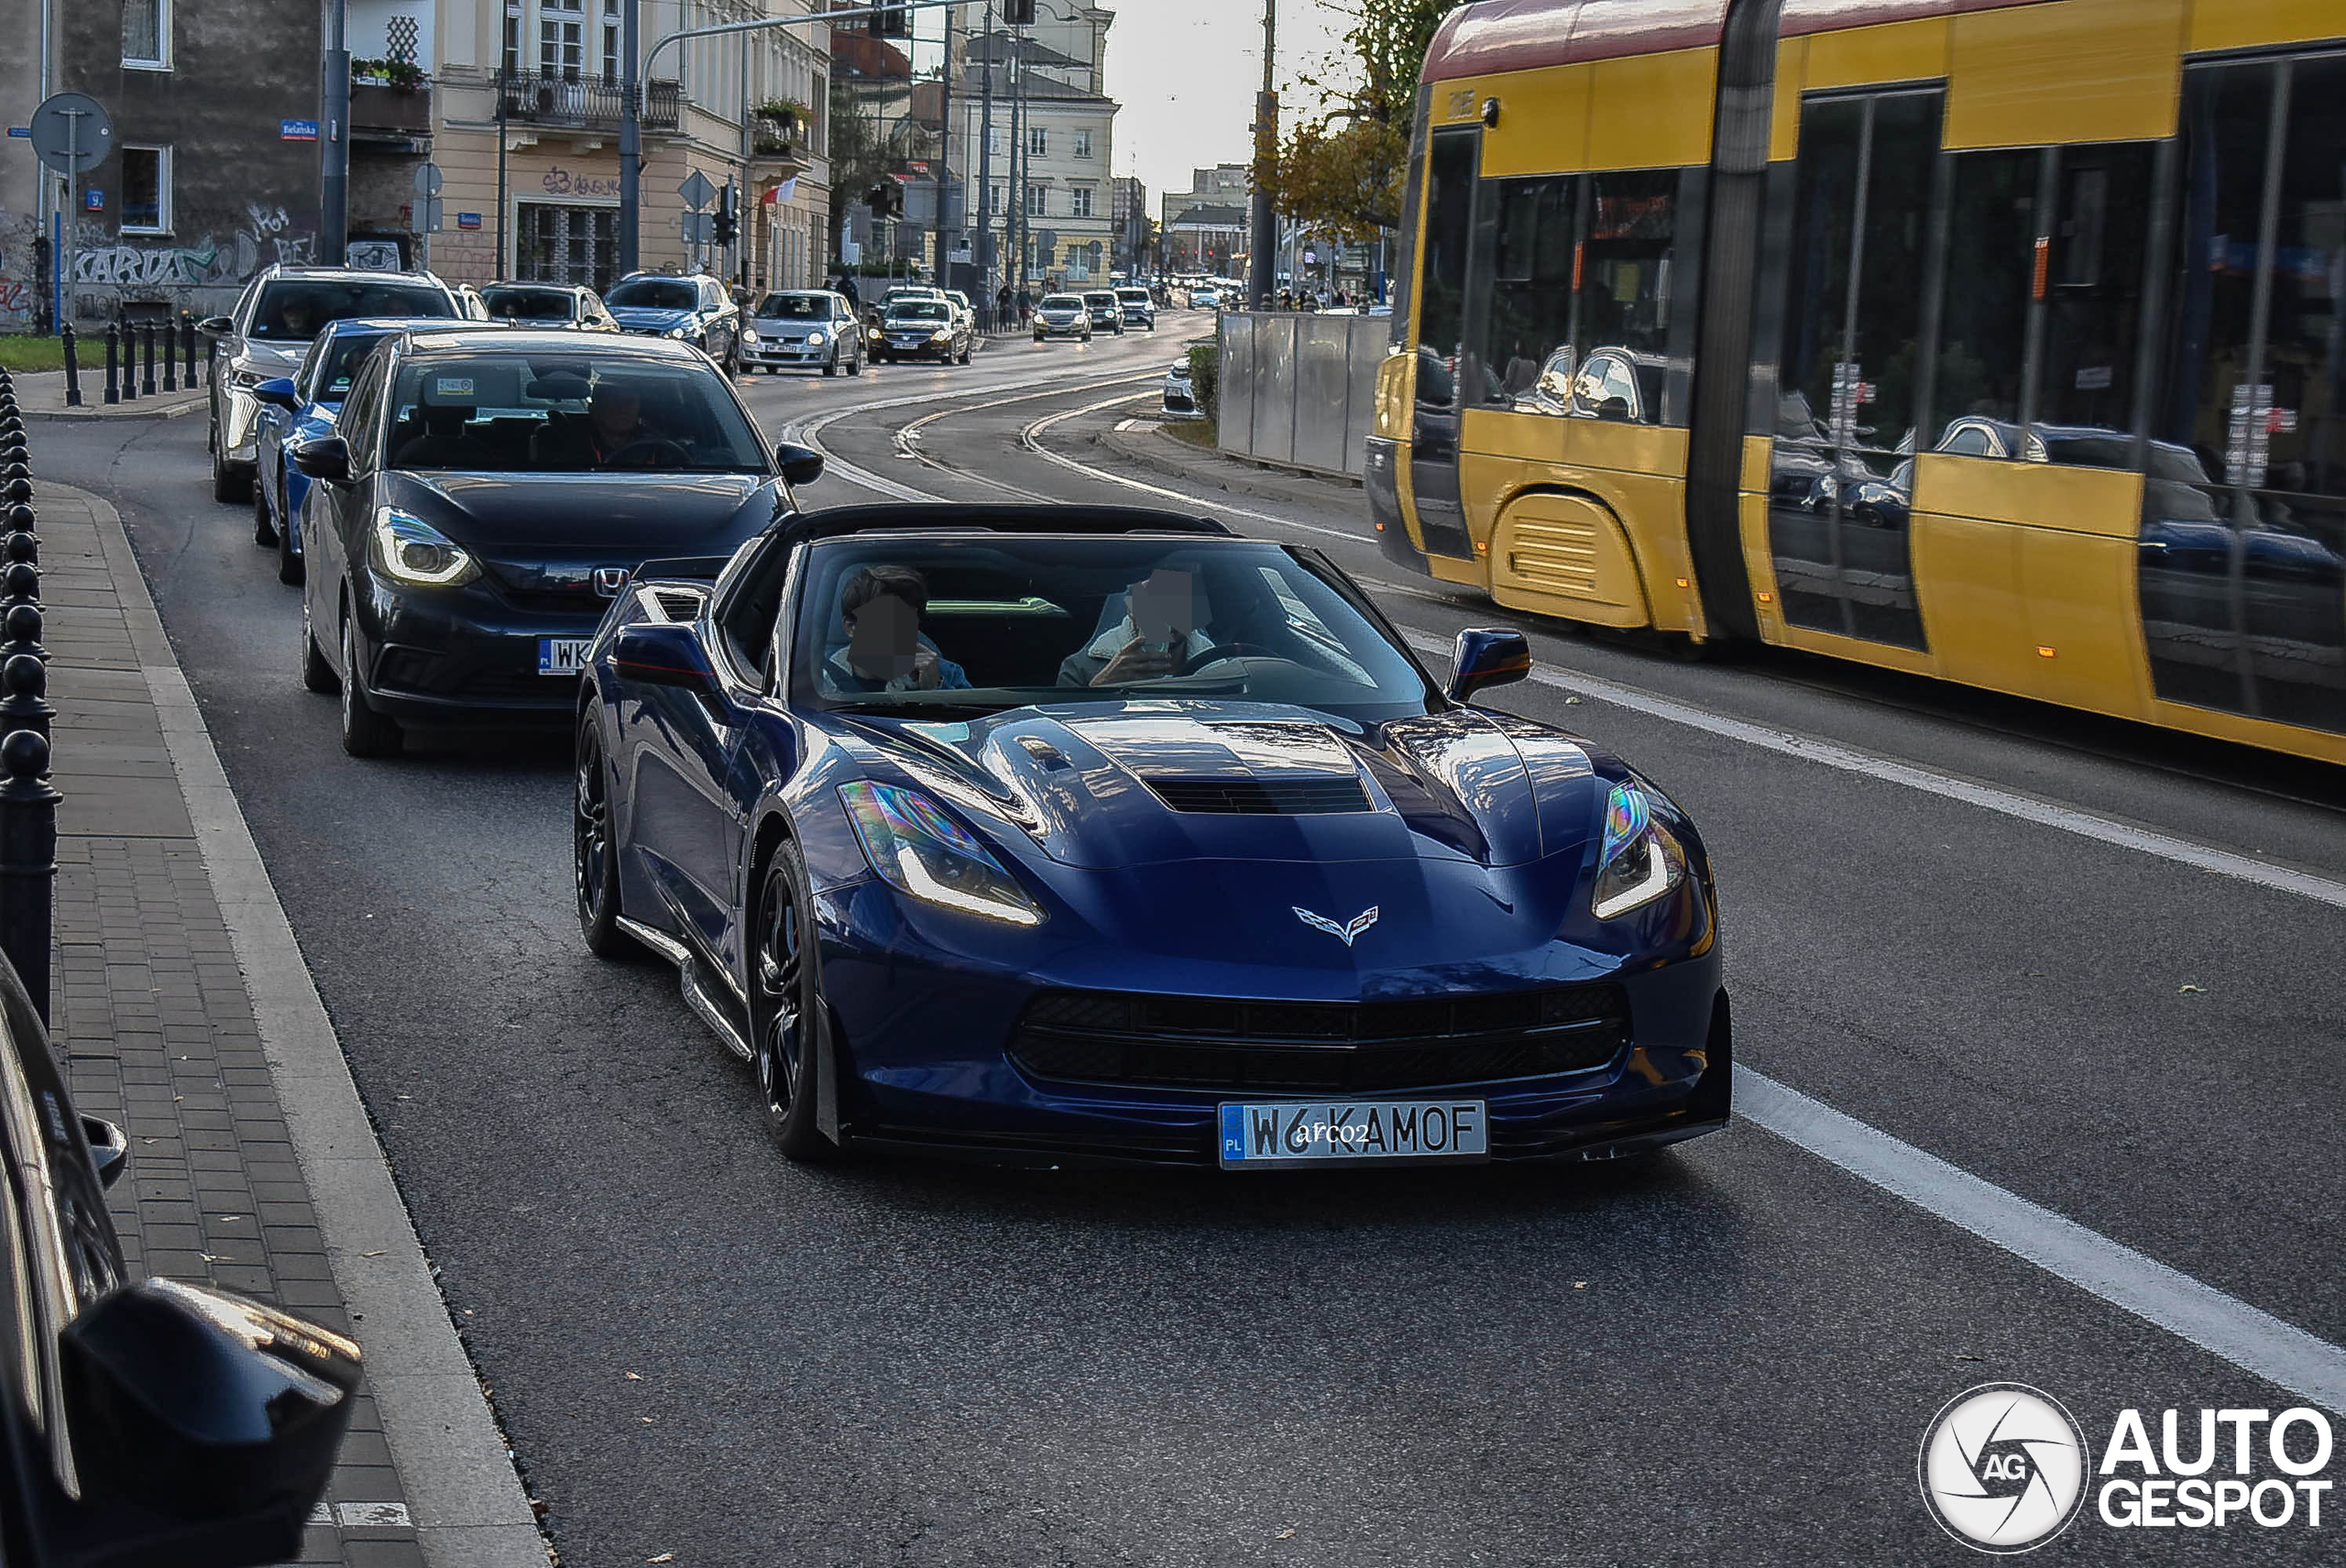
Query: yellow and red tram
1997	340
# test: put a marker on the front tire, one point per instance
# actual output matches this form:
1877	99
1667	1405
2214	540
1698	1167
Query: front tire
855	365
594	849
365	732
832	368
289	569
228	484
786	1000
317	675
264	532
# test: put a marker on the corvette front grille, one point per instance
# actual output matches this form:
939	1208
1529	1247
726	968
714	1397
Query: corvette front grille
1323	1047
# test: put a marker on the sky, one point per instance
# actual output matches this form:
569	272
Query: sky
1187	71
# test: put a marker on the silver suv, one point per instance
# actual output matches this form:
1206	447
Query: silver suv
267	332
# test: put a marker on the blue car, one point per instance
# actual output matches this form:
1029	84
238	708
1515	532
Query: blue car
1090	835
302	407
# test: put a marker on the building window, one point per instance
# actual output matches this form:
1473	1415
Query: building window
1039	201
147	34
145	190
1079	200
562	38
1038	141
611	36
1084	144
996	143
994	203
513	38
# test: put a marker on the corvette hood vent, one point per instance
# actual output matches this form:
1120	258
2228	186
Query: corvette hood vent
1262	797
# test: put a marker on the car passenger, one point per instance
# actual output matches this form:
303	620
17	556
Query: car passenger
1158	635
880	609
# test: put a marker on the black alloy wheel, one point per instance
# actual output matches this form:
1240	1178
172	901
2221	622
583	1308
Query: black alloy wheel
784	1001
594	859
365	732
264	533
317	675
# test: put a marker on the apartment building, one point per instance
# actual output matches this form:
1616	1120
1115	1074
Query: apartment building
1047	87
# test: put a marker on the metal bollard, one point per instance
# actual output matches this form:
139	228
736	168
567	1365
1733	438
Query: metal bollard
27	860
187	342
22	623
129	363
171	358
72	369
113	349
25	705
146	381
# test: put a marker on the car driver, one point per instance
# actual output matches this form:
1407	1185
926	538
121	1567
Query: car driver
1157	636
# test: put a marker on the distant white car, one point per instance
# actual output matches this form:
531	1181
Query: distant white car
1180	394
1204	299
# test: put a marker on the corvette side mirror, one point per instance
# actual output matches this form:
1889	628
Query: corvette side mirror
1487	656
663	656
800	465
205	1426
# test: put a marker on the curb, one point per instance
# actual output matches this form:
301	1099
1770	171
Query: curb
464	1494
101	415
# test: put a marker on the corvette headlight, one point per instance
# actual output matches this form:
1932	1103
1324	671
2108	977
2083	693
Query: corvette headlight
816	340
412	550
925	854
1640	858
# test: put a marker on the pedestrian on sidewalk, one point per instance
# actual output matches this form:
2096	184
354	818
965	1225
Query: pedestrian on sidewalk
846	288
1002	305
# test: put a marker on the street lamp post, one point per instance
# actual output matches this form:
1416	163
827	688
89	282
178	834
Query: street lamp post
1265	239
334	137
631	135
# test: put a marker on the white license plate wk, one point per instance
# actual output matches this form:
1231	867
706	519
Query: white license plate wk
563	656
1356	1131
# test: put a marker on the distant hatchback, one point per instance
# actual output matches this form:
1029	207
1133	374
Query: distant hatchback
1139	309
548	305
802	327
1062	315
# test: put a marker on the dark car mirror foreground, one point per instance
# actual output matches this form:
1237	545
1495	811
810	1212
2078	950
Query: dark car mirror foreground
109	1150
278	392
800	465
663	656
215	326
326	458
1487	656
204	1427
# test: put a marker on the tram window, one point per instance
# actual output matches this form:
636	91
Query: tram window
1983	333
1624	279
1450	204
2226	111
2094	296
1865	380
2306	360
1531	280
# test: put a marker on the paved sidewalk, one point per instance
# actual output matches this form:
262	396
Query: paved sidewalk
42	392
252	1165
1143	442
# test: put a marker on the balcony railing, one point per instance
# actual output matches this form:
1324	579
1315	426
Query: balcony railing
586	102
379	106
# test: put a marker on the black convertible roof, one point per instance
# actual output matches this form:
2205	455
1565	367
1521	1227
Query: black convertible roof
832	522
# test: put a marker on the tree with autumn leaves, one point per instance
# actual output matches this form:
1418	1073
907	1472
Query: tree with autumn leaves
1341	169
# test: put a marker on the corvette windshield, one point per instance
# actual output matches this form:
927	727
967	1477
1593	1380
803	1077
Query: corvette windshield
927	625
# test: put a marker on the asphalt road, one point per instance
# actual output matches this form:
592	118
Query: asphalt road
1730	1352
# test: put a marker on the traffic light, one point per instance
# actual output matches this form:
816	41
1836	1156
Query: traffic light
1018	13
723	229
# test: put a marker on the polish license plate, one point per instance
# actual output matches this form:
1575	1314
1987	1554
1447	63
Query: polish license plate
563	656
1353	1132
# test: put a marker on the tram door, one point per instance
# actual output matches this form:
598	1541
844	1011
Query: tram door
1443	356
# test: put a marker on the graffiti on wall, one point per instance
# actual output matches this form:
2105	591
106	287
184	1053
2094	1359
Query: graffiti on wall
19	273
262	238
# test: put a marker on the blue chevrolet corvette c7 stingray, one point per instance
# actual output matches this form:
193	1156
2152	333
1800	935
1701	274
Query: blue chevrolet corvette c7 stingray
1066	834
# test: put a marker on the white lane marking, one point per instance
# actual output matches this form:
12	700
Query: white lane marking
2248	1337
1031	438
1825	754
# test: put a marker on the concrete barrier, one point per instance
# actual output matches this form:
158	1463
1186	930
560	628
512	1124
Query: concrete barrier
1298	389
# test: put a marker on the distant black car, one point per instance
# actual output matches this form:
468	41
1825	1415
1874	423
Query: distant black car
486	495
695	310
142	1422
921	328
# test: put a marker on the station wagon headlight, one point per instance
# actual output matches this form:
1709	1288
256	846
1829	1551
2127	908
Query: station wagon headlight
1639	860
925	854
816	340
942	334
412	550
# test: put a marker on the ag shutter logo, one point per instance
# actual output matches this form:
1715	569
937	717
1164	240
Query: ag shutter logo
2003	1468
